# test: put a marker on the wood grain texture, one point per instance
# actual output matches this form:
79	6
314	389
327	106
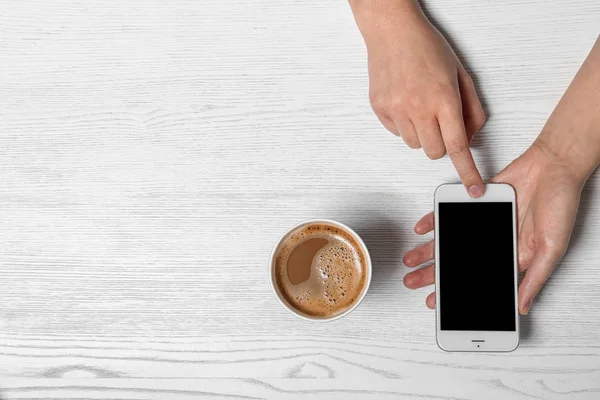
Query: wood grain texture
151	153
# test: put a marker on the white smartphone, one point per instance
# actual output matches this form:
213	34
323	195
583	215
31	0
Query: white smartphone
476	269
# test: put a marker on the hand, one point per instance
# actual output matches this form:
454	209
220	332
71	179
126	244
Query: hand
418	87
548	193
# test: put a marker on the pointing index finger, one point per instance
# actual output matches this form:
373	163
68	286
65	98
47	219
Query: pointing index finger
457	145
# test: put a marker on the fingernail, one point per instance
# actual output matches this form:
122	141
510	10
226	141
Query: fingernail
475	191
527	307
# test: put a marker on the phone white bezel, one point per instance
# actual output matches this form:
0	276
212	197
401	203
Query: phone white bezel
482	341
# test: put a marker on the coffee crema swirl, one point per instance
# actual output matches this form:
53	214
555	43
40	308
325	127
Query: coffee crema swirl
320	269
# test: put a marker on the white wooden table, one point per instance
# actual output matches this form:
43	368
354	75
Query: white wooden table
152	152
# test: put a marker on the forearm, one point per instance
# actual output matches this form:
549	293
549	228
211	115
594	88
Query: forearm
373	16
572	132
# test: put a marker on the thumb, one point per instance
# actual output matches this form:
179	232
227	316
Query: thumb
542	265
496	179
501	177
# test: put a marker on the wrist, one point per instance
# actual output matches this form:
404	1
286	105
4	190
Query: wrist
572	133
376	16
564	149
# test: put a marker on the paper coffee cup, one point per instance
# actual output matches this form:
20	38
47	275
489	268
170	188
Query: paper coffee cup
368	269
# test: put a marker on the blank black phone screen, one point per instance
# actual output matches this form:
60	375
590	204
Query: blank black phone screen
476	262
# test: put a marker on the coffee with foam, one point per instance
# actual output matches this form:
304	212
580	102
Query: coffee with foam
320	269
